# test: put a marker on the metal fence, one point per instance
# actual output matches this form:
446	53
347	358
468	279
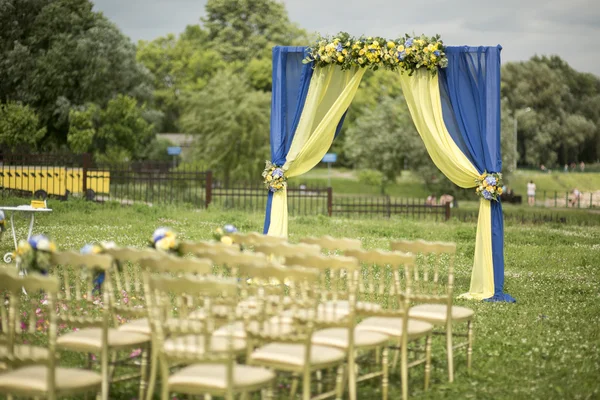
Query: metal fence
384	206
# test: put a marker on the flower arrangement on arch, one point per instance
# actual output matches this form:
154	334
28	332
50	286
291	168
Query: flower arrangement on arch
223	234
33	255
408	53
489	185
274	177
164	239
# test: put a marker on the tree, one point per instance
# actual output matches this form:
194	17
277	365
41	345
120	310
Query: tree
59	54
117	133
19	127
239	29
384	139
231	122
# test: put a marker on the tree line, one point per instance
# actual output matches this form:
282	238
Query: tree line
70	80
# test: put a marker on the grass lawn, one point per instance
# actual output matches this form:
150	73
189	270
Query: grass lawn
543	347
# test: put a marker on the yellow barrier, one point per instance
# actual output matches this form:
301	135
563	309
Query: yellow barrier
54	181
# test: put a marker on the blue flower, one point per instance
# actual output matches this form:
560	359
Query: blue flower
272	189
2	216
401	55
436	53
87	249
229	228
159	234
487	195
491	180
39	242
339	47
409	42
277	173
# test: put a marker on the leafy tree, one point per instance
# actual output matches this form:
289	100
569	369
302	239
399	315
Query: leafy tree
117	133
19	127
239	29
232	125
178	65
59	54
384	139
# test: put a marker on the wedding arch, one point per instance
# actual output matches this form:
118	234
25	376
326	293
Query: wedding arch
453	94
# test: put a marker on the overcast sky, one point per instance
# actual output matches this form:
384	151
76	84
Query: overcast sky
568	28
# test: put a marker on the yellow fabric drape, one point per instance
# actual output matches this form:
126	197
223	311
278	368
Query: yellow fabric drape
422	94
329	95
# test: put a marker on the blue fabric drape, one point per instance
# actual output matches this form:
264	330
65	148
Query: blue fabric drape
291	80
470	90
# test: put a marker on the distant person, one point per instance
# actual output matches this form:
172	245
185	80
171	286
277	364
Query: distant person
575	199
582	166
543	168
531	193
566	168
447	199
573	166
431	200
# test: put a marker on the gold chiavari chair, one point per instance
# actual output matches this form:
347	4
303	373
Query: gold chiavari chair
90	316
283	342
252	239
278	251
32	372
158	263
210	367
332	244
433	287
338	281
380	283
190	247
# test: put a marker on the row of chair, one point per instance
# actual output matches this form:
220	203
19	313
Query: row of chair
226	319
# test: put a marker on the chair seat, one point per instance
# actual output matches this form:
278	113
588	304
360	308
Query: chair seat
393	327
195	344
338	338
31	354
360	305
239	331
291	354
90	340
33	380
201	377
141	325
436	313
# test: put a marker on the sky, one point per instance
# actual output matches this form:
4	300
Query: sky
524	28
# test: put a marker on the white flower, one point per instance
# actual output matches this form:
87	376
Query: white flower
43	244
108	245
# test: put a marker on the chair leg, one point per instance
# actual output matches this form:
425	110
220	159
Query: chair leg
306	384
385	374
144	372
469	344
339	383
269	393
105	375
153	370
294	387
427	360
319	379
351	375
164	384
450	355
404	371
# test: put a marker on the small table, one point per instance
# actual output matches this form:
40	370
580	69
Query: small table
27	209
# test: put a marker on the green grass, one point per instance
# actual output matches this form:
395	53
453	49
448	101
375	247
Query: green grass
543	347
408	185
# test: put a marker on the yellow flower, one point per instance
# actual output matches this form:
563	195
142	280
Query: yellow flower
499	190
401	48
430	47
391	45
227	240
433	58
361	60
340	58
269	178
345	52
408	50
426	50
361	52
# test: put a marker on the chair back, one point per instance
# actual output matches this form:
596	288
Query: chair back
81	295
281	250
200	247
332	244
254	238
183	339
433	274
28	320
225	262
379	281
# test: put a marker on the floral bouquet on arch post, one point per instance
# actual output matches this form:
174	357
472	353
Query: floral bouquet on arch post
489	185
274	177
